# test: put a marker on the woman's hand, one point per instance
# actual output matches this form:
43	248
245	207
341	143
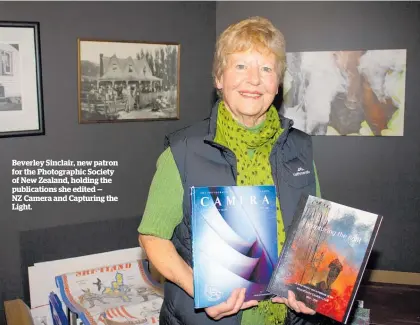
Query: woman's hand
292	303
231	306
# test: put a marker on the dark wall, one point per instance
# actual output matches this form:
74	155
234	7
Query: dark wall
378	174
135	145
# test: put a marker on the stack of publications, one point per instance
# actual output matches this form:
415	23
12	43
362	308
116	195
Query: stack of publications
116	294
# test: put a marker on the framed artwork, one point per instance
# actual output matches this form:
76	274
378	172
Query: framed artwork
21	102
120	81
346	93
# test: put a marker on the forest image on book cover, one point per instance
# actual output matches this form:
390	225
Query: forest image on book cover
325	255
234	241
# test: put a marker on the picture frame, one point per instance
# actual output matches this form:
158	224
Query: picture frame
126	81
21	98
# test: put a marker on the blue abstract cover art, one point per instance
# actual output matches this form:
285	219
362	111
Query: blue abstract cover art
234	241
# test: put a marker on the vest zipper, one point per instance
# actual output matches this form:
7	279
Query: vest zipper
227	150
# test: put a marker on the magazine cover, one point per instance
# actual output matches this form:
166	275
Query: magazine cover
325	255
234	241
113	294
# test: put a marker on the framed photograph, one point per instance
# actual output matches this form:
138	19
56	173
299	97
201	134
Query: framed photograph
21	103
123	81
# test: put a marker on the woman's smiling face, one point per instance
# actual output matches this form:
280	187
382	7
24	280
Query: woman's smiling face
249	84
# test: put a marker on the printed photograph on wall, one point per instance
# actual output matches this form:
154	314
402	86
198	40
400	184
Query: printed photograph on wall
359	93
128	81
10	90
21	111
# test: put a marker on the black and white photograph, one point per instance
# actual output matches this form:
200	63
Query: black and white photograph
21	111
10	92
128	81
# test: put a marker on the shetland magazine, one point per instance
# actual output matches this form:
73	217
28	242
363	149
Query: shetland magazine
113	294
325	255
234	241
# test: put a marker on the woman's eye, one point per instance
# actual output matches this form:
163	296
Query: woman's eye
240	66
267	69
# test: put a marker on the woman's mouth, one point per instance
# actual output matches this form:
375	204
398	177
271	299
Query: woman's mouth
250	94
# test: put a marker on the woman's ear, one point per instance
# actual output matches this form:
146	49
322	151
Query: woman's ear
219	84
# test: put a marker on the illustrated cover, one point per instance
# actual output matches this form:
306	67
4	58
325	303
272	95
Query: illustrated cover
325	255
234	241
113	294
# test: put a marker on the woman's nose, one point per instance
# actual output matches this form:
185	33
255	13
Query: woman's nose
254	75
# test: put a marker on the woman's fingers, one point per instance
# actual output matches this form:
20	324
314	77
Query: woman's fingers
249	304
292	301
279	300
229	307
294	304
235	302
304	309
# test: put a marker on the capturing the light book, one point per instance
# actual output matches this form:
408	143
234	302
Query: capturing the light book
325	255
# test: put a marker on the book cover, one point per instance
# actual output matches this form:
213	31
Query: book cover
325	255
234	241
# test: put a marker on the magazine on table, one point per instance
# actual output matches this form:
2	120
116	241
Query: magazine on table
123	293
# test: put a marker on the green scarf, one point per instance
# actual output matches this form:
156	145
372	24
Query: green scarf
252	148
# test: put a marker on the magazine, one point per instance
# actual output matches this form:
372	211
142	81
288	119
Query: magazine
57	313
113	294
325	255
234	241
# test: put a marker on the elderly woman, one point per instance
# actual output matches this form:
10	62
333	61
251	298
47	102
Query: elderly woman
244	142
